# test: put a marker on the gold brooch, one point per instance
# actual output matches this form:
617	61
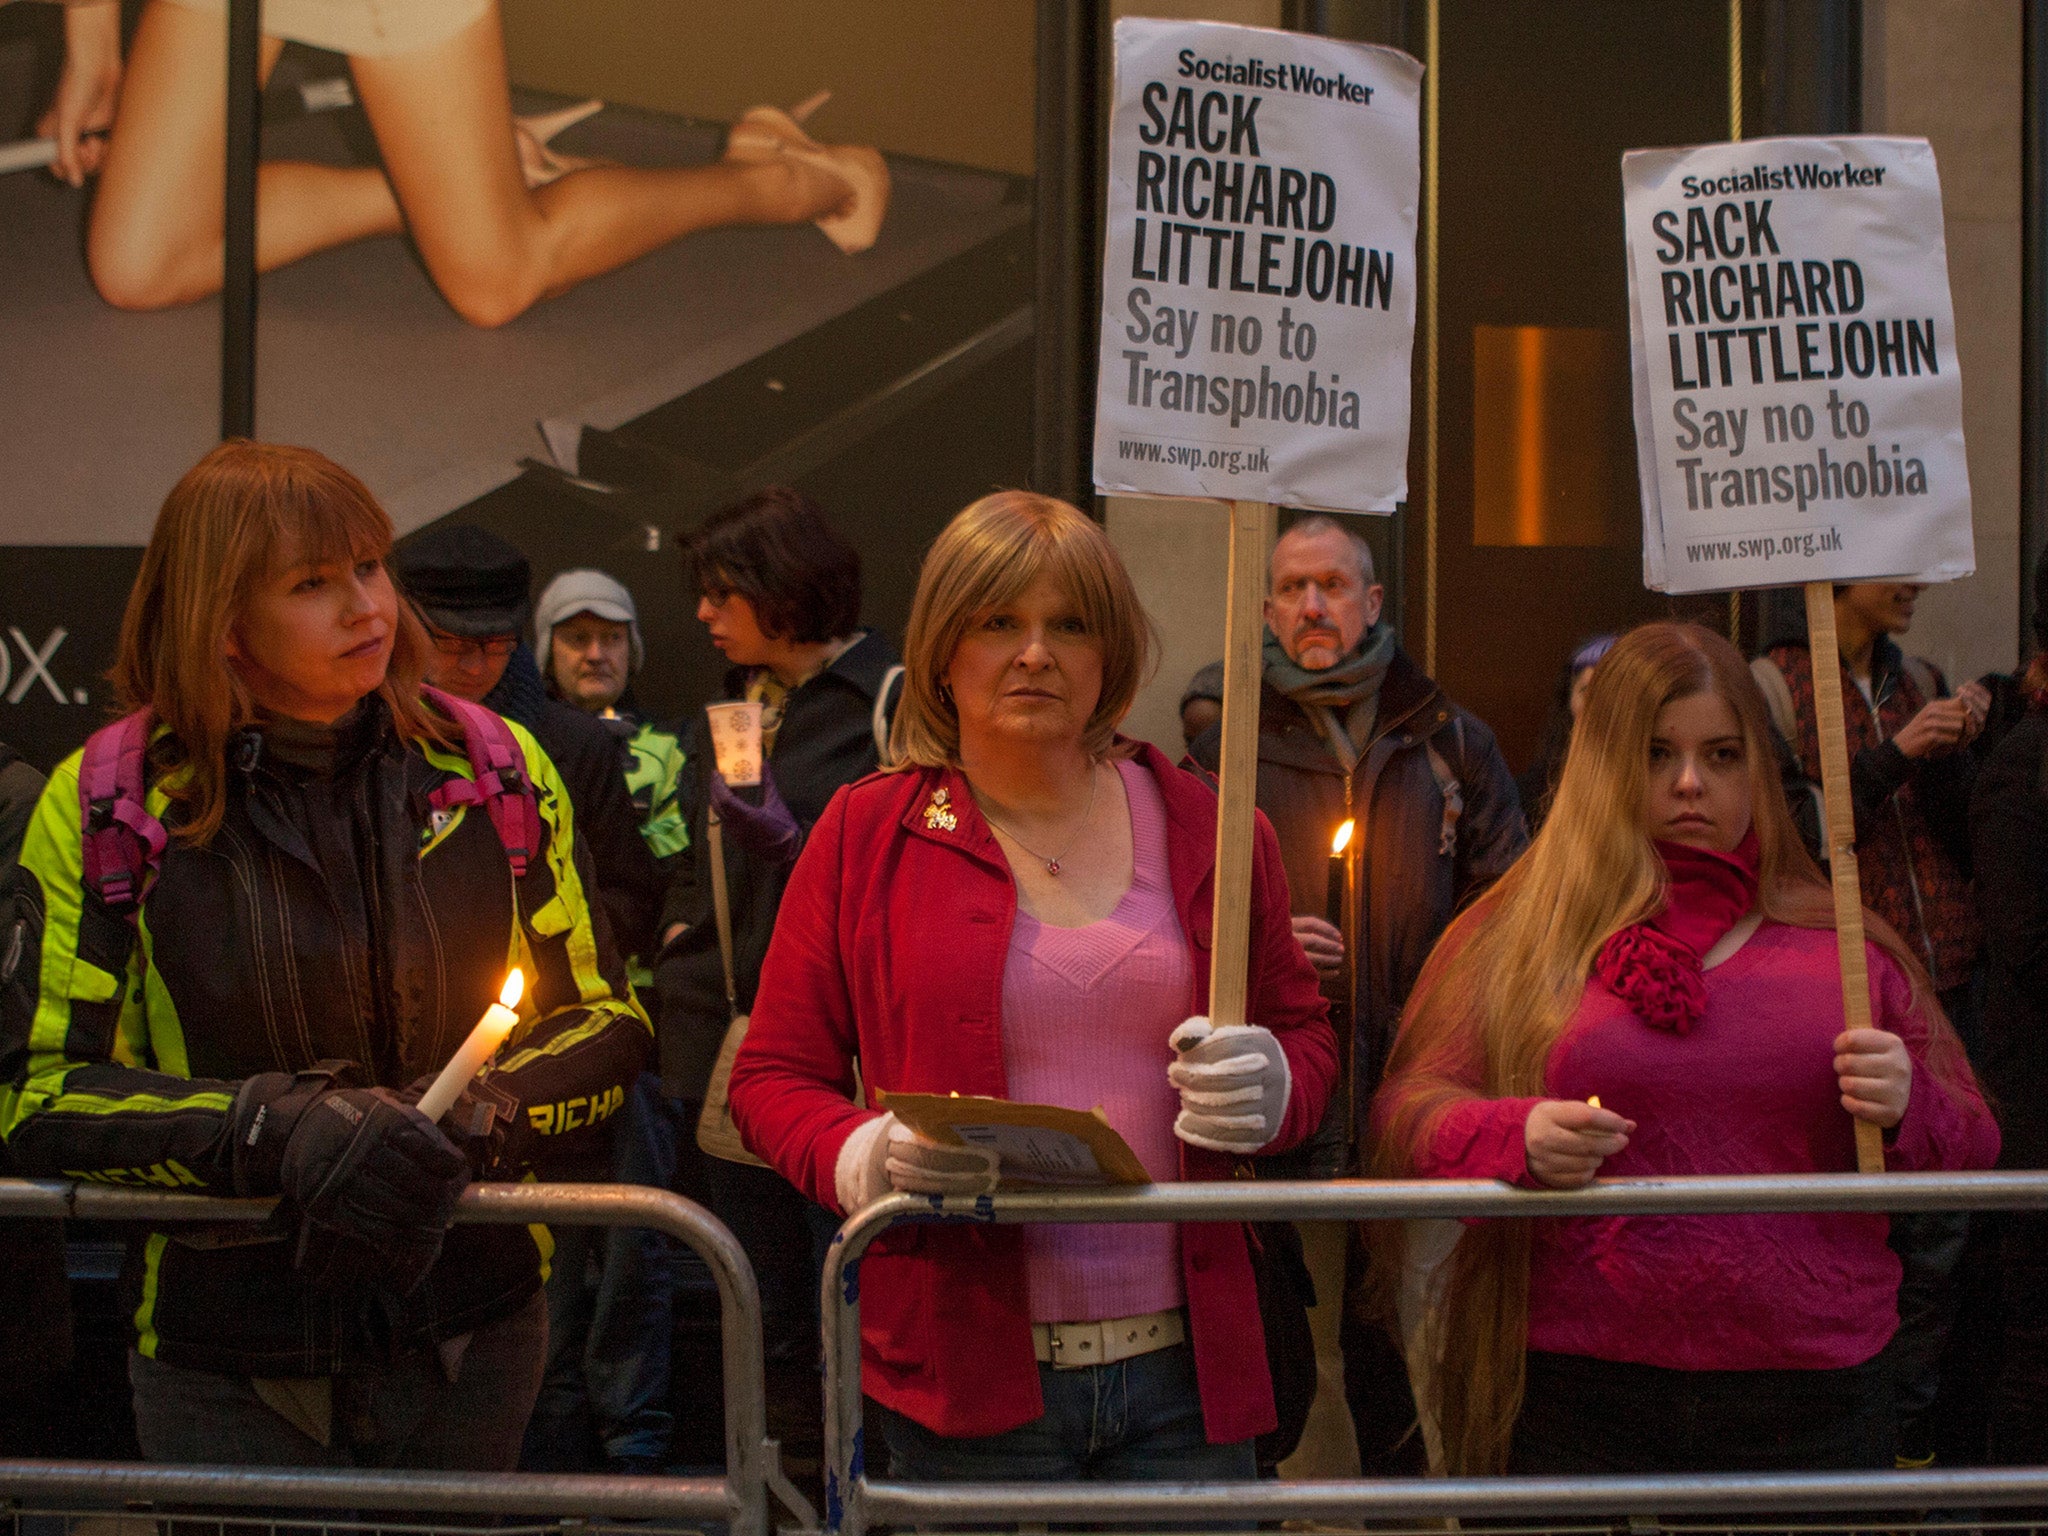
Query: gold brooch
939	814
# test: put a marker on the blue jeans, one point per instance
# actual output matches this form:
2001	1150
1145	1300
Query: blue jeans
608	1348
406	1414
1139	1420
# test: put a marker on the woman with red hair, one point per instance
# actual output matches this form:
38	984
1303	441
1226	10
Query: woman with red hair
1654	989
323	896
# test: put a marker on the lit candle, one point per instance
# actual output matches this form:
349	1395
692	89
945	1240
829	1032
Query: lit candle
1594	1101
1340	875
468	1060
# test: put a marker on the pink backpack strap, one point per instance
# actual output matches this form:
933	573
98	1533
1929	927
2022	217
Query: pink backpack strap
122	844
500	786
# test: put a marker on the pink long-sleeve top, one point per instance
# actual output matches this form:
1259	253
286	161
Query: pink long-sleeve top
1120	984
1751	1089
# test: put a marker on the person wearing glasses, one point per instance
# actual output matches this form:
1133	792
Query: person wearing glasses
471	590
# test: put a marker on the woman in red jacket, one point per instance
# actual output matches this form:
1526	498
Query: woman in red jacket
1024	911
1654	989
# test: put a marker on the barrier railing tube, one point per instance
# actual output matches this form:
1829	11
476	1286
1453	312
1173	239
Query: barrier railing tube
852	1502
740	1497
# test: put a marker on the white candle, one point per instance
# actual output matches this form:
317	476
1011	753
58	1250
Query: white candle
27	155
468	1060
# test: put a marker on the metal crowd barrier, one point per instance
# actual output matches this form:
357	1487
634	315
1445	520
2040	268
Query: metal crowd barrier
739	1498
854	1502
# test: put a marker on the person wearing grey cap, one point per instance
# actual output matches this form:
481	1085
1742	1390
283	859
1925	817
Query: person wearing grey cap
608	1347
586	634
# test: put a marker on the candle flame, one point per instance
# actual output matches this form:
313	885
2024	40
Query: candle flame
1343	838
515	988
1594	1100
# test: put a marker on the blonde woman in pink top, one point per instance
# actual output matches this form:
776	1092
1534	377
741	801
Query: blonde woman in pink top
1666	948
1023	911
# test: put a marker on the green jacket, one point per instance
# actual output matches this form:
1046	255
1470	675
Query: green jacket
654	780
334	915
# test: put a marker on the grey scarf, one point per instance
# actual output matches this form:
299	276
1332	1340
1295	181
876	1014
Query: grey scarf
1343	700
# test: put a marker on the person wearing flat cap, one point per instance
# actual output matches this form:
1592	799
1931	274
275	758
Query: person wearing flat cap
472	591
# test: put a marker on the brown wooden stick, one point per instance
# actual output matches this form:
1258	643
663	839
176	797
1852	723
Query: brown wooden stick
1825	650
1252	524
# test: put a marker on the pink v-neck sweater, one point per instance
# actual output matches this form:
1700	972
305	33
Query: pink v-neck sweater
1086	1013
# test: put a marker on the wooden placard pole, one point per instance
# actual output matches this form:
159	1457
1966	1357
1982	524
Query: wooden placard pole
1826	654
1252	526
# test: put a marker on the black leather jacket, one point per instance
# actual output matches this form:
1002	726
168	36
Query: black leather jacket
334	915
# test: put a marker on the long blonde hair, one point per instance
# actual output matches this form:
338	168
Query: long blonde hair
990	552
1504	982
220	531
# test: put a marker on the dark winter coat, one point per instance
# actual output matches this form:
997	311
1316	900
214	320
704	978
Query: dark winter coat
35	1296
20	786
1424	855
335	915
2009	828
827	739
1912	834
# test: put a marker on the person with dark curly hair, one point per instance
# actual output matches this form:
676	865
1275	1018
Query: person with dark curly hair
779	590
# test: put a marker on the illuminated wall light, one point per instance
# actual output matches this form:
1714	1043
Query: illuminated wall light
1550	425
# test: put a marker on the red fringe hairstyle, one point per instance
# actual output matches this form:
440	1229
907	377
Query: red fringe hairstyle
228	524
1504	981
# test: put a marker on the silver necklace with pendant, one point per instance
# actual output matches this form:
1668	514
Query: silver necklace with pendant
1052	863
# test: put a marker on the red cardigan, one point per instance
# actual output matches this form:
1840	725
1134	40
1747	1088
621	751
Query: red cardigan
890	946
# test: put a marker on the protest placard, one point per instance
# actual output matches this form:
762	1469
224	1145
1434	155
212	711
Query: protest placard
1798	406
1257	322
1258	306
1798	401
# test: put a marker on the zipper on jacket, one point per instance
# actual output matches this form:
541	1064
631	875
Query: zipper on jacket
384	1044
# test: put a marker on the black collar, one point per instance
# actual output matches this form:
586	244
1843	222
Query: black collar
862	664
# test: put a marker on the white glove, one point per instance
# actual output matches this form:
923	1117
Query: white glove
885	1155
1233	1081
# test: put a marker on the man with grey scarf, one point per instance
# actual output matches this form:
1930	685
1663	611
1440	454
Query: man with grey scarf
1350	727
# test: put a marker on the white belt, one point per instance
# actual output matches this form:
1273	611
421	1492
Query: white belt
1069	1346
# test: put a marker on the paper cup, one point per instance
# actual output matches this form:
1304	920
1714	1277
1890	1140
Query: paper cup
736	742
